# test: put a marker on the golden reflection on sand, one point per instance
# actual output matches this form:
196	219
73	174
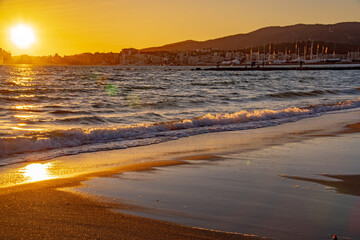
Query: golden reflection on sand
37	172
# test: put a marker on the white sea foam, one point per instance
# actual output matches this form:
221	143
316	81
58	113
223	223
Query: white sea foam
142	134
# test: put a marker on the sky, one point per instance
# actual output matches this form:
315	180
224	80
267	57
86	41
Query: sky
75	26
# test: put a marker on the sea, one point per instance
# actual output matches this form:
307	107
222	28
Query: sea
52	111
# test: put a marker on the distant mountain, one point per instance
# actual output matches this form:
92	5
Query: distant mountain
345	33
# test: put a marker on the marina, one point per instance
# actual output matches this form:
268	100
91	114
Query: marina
284	68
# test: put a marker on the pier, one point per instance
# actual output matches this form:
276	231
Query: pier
282	68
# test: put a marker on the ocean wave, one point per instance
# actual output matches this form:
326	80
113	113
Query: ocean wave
62	139
68	112
82	120
295	94
31	99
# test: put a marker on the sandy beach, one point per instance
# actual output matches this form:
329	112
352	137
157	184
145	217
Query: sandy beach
76	200
43	211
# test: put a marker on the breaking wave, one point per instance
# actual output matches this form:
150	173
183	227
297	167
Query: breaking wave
84	140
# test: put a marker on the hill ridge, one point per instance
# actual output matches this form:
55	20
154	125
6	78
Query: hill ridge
343	32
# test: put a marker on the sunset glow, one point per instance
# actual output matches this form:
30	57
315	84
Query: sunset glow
22	36
71	27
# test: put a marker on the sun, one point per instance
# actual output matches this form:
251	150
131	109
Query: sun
22	36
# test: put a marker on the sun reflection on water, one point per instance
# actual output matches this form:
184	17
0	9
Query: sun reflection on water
37	172
24	107
23	76
21	122
22	127
25	96
21	82
24	116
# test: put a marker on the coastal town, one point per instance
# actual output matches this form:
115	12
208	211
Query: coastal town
270	54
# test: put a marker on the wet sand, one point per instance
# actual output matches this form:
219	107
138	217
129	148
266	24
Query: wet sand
43	211
351	128
348	184
248	192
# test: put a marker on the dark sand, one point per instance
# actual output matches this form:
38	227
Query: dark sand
351	128
349	184
43	211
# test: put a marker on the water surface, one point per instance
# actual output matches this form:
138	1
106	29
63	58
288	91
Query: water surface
49	111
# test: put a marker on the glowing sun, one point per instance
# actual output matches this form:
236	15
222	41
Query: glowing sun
22	36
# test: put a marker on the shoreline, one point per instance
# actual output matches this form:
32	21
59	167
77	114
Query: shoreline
44	209
183	193
217	142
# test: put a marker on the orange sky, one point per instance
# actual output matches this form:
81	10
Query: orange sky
76	26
